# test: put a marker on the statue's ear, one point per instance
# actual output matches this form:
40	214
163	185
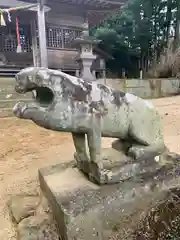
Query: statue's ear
55	81
39	78
61	79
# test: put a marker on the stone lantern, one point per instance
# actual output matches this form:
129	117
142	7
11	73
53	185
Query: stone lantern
85	44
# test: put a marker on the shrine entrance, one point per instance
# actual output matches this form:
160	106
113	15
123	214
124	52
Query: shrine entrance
9	55
8	38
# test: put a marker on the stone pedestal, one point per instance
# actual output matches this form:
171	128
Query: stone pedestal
86	211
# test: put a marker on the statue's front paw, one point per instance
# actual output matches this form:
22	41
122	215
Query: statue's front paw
98	176
81	157
76	157
82	163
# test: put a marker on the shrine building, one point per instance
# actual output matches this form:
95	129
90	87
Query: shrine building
24	43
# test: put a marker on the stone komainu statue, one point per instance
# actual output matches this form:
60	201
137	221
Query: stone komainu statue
70	104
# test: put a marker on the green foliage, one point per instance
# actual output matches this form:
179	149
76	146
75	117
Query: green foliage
137	35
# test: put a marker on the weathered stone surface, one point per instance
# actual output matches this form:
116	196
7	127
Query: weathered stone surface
84	210
43	207
39	227
116	167
23	206
162	220
33	217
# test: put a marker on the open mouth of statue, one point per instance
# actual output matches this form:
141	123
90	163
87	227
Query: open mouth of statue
42	97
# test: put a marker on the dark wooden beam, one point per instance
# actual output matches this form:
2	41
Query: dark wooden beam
89	4
42	34
85	4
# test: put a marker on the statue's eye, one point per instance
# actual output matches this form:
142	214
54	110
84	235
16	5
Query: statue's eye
29	78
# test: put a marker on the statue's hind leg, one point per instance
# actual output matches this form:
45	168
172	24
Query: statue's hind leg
145	129
121	145
146	153
149	143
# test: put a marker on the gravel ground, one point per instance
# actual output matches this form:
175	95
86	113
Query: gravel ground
26	147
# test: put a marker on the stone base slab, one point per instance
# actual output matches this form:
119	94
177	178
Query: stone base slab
86	211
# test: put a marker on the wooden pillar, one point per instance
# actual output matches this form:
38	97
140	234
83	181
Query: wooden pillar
35	50
42	35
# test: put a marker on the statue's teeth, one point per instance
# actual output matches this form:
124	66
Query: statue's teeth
34	93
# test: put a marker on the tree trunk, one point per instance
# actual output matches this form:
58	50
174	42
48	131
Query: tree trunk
177	26
168	19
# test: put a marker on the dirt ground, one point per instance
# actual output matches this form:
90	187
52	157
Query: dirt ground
26	147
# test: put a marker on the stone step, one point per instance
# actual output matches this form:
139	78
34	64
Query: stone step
5	95
8	72
7	81
7	88
7	84
10	103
